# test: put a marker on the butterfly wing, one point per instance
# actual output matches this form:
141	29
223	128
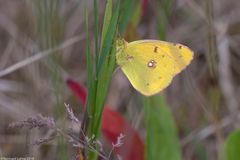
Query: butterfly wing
150	65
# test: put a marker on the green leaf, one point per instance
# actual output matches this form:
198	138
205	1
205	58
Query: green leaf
232	146
161	133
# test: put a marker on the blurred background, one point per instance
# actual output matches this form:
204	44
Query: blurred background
203	99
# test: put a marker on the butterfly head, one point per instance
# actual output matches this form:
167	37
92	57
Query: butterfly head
121	44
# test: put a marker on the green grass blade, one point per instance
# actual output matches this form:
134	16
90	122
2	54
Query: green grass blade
104	82
126	11
96	28
90	65
104	69
107	20
161	133
91	83
163	14
107	43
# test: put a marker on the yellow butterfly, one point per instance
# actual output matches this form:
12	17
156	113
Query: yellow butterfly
150	65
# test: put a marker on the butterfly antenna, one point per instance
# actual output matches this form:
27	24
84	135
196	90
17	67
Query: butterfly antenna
119	35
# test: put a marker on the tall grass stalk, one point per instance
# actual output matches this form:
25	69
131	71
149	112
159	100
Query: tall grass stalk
50	33
214	90
211	40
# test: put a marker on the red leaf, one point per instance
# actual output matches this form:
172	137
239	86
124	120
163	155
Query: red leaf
78	90
113	124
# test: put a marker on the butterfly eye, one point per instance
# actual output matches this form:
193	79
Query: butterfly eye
120	42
